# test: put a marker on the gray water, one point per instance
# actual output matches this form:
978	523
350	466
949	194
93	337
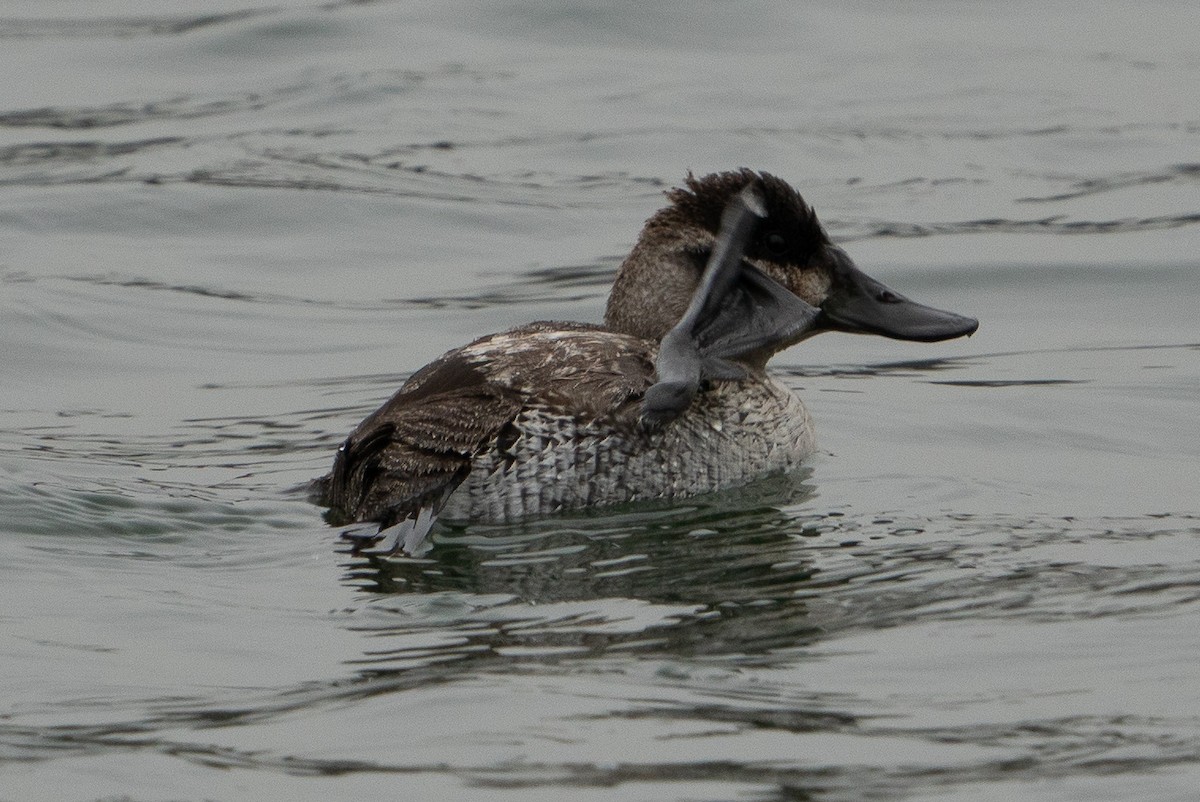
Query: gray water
228	231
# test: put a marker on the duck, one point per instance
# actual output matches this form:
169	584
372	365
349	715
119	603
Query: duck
668	398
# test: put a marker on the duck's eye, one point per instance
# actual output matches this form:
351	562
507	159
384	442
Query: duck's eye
775	242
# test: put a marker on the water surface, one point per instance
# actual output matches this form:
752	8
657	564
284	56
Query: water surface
228	231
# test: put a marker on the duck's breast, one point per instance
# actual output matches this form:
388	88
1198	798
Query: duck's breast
547	461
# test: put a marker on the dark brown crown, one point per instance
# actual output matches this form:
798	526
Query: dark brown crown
701	201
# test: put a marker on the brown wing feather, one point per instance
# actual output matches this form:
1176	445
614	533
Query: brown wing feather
417	447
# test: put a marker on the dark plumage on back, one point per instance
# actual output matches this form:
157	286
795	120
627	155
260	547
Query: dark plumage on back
415	449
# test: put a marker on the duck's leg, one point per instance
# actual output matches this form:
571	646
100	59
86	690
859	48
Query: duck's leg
736	312
680	363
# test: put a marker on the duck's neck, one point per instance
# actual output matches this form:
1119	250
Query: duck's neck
651	292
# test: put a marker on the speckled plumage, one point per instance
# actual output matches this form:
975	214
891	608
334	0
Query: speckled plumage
554	416
559	461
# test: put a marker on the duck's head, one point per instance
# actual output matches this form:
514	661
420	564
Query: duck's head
657	280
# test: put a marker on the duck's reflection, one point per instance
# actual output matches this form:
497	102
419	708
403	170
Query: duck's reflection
718	577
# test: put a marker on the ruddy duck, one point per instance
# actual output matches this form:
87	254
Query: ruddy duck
669	398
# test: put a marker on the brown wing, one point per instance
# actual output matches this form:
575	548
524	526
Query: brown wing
411	453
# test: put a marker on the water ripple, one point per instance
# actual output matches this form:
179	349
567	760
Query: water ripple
1056	224
1083	187
117	27
729	580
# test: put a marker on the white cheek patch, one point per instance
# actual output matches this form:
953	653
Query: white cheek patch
810	286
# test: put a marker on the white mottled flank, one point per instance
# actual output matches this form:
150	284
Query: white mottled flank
733	434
